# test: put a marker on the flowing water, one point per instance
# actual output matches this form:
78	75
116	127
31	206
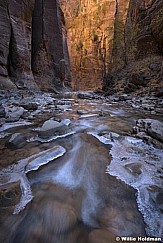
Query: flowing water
90	184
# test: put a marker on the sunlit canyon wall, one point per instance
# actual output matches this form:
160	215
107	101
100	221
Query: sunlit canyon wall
105	37
107	42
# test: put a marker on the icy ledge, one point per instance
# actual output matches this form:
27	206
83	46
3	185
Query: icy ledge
17	172
137	164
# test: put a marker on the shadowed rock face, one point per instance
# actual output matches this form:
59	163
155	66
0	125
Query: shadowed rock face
144	29
137	45
31	45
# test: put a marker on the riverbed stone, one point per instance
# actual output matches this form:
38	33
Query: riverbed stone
86	95
2	121
10	194
152	127
15	113
17	140
134	168
81	112
50	128
102	236
30	106
66	122
2	111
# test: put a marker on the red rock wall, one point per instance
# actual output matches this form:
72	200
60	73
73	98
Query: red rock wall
103	38
138	47
106	36
90	27
32	48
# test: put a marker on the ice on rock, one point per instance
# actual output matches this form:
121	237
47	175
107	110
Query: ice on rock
18	171
137	163
44	158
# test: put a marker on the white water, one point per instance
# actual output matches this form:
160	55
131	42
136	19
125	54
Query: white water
72	177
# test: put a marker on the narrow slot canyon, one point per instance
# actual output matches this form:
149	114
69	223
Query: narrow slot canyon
81	121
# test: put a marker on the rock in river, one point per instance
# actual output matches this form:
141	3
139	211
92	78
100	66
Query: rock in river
15	113
2	111
10	194
153	128
50	128
17	140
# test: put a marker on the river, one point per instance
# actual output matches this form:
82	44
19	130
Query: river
93	183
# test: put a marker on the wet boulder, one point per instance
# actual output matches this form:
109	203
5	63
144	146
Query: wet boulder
51	128
139	78
159	93
86	95
153	128
30	106
14	113
2	111
81	112
17	140
66	122
156	194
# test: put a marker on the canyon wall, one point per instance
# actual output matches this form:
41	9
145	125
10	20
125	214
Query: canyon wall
137	54
90	27
33	51
117	44
107	37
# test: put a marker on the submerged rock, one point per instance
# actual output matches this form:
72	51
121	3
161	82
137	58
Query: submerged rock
81	112
101	235
10	194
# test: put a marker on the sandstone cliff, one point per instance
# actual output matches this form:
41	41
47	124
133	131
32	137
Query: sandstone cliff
114	43
137	55
33	51
90	26
107	37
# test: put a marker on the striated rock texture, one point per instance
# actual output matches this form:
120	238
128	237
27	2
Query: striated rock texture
33	51
117	44
114	41
90	27
137	54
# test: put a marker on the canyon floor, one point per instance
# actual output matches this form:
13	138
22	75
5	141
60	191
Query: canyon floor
80	167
